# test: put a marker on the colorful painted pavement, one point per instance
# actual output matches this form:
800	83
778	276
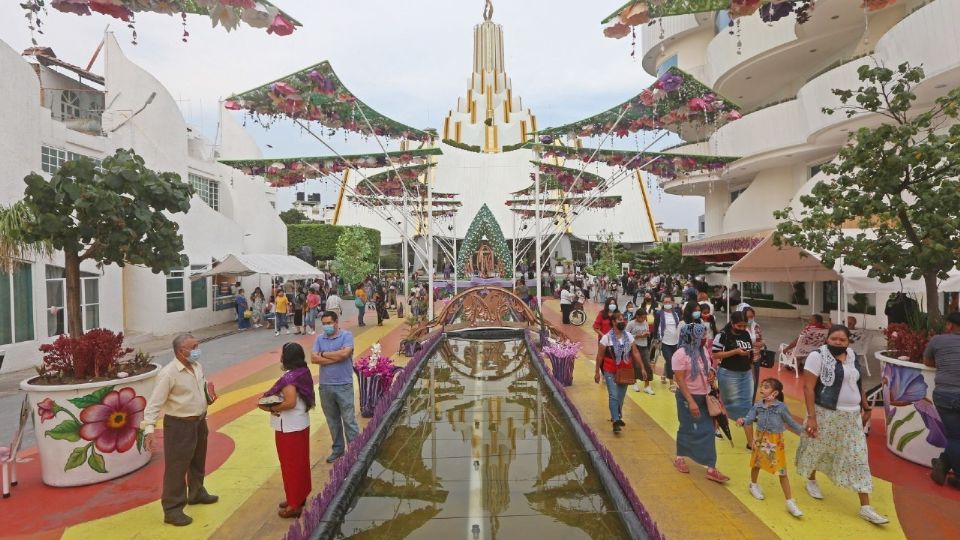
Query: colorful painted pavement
243	470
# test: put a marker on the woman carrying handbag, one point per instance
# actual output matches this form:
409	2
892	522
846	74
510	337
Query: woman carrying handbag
617	355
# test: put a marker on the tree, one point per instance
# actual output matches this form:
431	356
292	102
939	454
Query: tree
896	183
608	263
116	214
293	216
13	246
353	255
667	258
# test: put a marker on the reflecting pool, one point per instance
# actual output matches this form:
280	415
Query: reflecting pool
480	451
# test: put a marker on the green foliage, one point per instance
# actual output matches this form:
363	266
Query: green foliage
322	239
607	263
293	216
897	180
14	220
462	146
666	258
353	255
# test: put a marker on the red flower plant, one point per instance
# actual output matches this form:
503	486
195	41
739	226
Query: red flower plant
904	340
94	354
45	409
113	423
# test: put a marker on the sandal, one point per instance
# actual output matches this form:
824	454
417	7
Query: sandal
283	504
289	512
680	464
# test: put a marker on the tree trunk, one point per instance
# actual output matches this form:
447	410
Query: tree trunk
933	300
74	318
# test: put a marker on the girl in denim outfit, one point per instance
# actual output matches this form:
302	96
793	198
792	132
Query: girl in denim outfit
772	417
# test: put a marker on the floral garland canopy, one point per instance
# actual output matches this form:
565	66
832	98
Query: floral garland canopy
227	13
563	178
637	12
394	183
664	165
282	172
315	94
676	102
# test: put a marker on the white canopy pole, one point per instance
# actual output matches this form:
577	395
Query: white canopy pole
430	241
729	285
813	297
513	248
536	206
456	272
406	260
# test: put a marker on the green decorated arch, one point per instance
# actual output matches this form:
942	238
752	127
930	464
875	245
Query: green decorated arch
485	225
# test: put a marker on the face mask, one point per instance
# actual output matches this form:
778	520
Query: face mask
751	322
668	307
621	325
696	314
836	351
328	330
612	307
194	355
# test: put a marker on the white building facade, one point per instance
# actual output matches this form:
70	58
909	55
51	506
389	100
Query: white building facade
782	75
52	114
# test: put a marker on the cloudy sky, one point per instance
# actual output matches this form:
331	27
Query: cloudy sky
409	60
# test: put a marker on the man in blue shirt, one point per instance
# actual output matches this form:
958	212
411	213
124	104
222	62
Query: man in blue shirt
333	350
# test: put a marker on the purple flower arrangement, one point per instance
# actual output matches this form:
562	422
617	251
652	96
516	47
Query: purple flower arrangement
645	518
562	355
317	509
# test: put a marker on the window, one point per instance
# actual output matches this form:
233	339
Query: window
722	22
57	300
175	294
16	304
208	190
815	169
52	158
69	105
736	193
752	289
198	288
666	64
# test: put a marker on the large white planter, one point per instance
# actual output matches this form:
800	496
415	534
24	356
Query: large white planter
89	433
914	428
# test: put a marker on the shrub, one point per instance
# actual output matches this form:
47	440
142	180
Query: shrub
322	239
904	340
95	354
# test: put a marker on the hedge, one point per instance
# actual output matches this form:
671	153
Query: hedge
322	238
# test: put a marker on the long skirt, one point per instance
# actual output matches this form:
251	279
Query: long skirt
696	438
839	450
293	449
736	391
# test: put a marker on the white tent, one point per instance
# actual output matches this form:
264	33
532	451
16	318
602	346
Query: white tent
287	266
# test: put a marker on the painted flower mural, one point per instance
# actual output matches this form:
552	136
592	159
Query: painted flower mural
109	419
904	388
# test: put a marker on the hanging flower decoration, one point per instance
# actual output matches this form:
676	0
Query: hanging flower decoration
774	11
664	165
315	94
226	13
675	101
292	171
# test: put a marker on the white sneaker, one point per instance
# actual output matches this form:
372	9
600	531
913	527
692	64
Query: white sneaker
277	333
814	489
649	390
754	490
287	330
636	387
868	513
793	508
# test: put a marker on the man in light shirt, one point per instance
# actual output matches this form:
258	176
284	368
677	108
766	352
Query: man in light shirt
566	302
181	393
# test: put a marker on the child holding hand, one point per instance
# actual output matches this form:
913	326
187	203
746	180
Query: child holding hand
772	417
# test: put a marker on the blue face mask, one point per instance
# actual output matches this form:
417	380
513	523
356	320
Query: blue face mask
696	314
329	329
194	356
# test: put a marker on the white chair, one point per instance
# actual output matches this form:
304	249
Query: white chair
8	454
860	343
808	341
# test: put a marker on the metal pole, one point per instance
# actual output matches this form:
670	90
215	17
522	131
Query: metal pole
430	241
456	272
514	249
536	206
406	260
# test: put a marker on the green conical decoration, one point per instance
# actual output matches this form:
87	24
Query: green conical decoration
484	224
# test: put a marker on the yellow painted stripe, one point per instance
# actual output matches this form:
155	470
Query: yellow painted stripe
246	470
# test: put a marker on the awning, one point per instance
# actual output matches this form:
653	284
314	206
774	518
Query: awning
725	247
286	266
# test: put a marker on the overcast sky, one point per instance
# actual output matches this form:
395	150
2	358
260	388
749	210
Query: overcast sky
409	60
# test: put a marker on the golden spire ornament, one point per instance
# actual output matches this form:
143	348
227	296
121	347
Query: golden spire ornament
488	11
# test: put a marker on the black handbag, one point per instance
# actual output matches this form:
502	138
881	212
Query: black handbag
767	358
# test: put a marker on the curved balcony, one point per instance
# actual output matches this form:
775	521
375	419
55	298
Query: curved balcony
674	28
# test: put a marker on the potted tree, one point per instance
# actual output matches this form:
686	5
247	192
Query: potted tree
88	402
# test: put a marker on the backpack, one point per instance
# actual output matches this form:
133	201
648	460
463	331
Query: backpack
358	302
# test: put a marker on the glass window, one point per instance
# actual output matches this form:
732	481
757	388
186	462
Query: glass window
16	305
722	22
198	288
208	190
57	300
90	302
69	105
736	193
51	158
667	64
175	295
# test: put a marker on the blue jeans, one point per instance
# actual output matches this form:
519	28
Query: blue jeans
282	322
616	393
668	351
736	391
336	401
948	406
360	311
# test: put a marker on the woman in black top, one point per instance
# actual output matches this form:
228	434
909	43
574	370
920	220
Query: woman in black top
734	348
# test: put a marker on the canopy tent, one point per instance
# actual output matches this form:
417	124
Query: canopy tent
248	264
315	94
767	262
674	100
662	164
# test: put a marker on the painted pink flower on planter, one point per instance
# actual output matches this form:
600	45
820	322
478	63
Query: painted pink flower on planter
113	423
46	410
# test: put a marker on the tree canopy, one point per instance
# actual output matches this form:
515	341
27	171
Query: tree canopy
666	258
293	216
353	255
894	185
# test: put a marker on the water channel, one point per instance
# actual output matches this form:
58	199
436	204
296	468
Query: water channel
480	451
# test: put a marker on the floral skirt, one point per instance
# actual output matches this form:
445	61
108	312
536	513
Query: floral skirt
839	451
769	453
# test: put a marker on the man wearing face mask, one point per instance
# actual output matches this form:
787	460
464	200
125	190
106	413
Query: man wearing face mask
181	391
333	350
